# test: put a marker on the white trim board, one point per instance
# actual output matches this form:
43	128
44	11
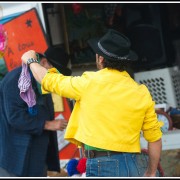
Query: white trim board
170	140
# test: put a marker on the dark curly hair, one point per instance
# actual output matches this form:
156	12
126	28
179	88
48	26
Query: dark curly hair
118	65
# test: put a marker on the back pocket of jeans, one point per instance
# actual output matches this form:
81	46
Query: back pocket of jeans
108	168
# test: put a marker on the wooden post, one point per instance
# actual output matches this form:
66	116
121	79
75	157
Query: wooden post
66	41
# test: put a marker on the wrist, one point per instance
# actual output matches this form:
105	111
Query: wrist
31	60
47	125
149	173
50	125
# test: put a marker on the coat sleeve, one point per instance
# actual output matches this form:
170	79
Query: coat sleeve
16	111
71	87
151	126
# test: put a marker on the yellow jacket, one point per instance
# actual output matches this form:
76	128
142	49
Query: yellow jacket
110	111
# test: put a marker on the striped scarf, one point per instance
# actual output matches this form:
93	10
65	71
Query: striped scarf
26	91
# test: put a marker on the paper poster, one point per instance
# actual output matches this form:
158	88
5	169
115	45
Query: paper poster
58	102
60	135
25	32
67	150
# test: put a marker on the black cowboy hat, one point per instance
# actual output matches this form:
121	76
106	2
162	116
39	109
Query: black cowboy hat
58	58
113	46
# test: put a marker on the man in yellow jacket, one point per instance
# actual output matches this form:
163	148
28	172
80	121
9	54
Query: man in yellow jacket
110	112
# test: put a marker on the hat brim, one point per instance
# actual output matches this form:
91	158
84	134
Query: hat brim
62	69
93	43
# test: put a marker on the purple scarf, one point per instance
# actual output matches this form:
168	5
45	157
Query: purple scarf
26	91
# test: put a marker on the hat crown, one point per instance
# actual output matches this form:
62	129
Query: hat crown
113	46
113	42
59	59
57	55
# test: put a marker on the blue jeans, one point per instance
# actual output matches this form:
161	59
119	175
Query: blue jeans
117	165
4	173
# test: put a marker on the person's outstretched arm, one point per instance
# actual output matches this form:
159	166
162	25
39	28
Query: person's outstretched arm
38	71
154	152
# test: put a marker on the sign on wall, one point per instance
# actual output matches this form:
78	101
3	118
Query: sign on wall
67	150
25	32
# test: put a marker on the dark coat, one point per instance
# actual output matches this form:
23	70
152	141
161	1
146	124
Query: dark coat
25	146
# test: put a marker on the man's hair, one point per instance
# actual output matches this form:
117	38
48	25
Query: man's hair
118	65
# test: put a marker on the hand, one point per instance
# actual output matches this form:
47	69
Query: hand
61	124
55	125
27	55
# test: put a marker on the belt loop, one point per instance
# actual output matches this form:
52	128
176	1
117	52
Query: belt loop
108	153
88	153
